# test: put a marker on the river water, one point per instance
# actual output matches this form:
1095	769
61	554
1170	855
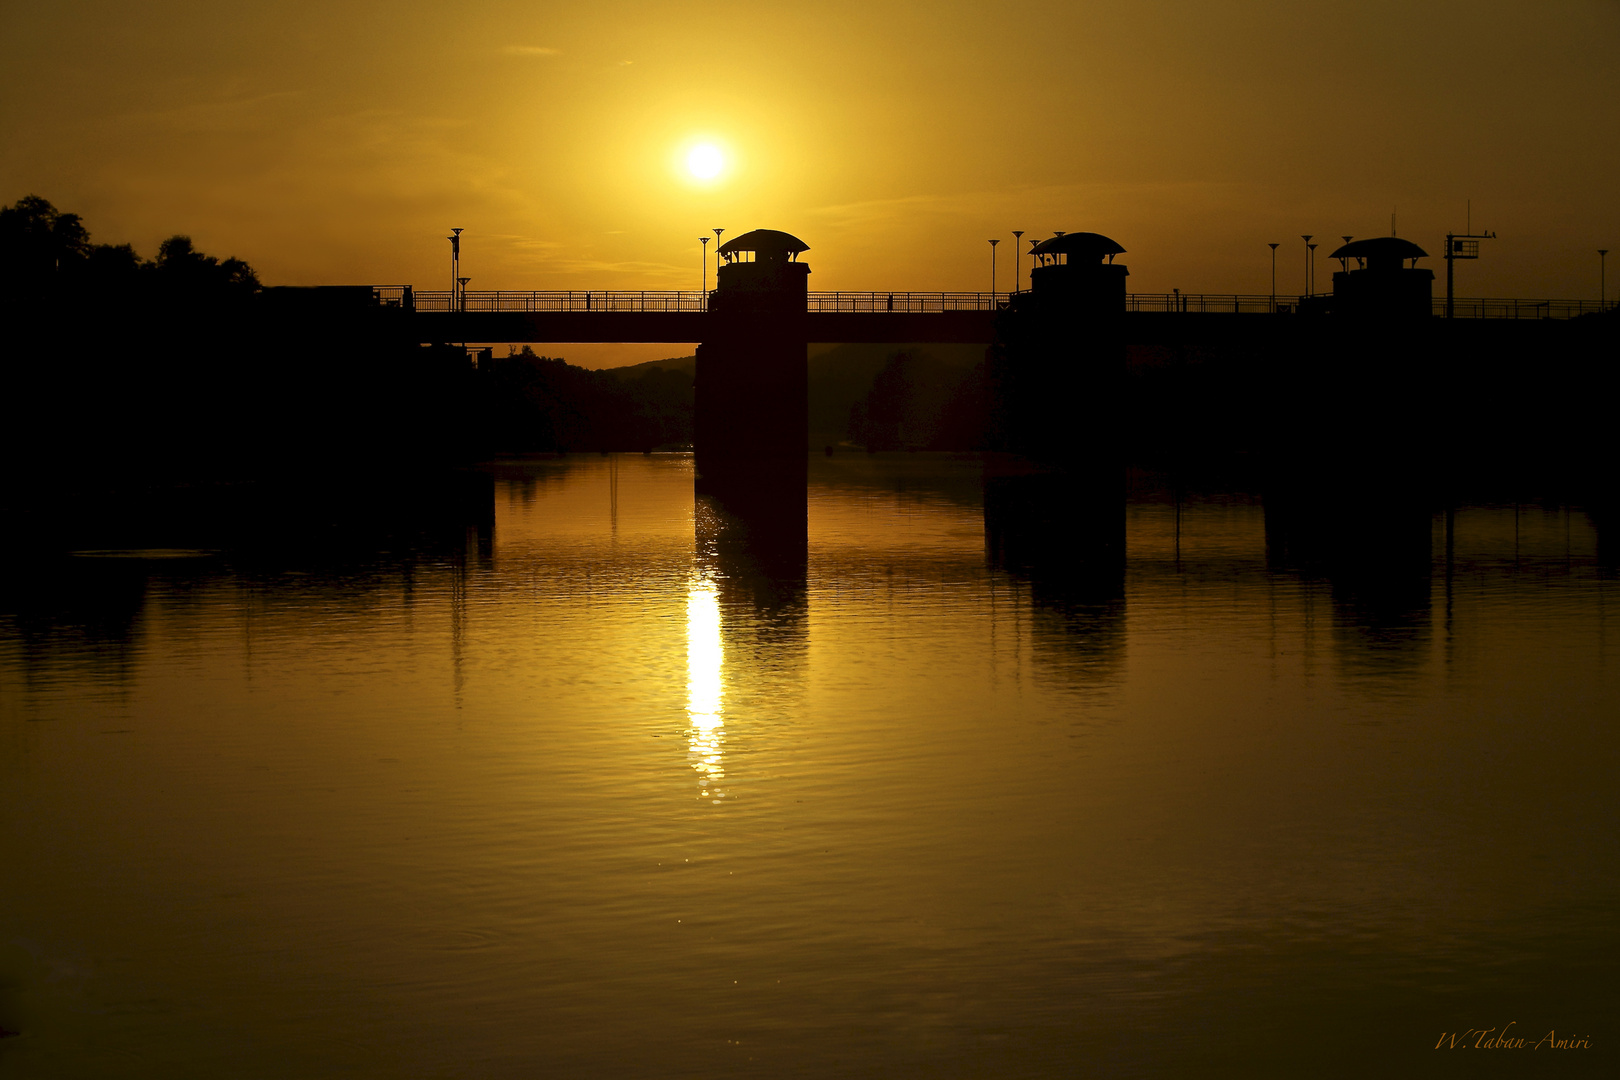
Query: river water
608	784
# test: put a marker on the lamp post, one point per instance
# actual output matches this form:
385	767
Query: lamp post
1307	238
462	281
1018	260
455	264
1273	248
993	244
1603	283
1311	251
703	301
717	233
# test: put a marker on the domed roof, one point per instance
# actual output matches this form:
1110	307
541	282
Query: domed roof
765	242
1079	245
1381	248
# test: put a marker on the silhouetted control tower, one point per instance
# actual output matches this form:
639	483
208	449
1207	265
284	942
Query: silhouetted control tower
752	402
1383	286
1057	372
1077	270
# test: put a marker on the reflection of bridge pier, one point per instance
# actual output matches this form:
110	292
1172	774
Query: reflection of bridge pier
1063	532
747	614
1370	538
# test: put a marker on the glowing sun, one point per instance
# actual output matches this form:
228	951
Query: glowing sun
705	161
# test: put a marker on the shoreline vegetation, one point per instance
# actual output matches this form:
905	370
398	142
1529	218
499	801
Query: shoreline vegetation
183	369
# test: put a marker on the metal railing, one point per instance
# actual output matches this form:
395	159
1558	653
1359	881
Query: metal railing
905	303
594	300
1217	303
649	300
1490	308
917	303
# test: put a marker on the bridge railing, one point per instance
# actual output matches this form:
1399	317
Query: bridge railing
904	303
1489	308
645	300
1217	303
604	300
916	303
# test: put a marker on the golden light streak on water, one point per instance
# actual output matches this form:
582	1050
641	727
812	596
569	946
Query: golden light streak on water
705	658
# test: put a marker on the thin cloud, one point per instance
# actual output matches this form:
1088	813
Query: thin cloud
531	50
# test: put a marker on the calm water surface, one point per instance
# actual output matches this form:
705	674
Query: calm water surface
613	788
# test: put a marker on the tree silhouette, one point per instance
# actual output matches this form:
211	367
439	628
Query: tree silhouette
44	250
180	265
38	242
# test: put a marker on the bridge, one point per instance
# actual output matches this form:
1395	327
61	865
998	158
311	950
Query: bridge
880	317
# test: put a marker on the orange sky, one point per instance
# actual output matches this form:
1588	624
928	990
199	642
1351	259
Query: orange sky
338	141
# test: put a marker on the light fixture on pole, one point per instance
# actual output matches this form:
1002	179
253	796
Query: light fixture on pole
1461	246
703	301
993	244
1018	260
717	233
1307	238
455	264
1310	255
1273	248
462	281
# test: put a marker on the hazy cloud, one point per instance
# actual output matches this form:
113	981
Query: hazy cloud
531	50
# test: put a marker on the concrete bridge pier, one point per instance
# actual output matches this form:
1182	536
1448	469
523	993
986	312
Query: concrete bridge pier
1057	372
751	436
752	393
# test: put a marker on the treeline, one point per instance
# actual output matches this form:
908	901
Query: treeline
530	404
45	252
122	371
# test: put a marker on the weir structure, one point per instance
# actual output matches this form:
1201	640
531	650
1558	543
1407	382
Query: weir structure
1057	352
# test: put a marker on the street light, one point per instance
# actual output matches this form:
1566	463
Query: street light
717	233
993	244
1603	284
462	281
1307	238
1310	254
1018	261
1273	248
703	302
455	263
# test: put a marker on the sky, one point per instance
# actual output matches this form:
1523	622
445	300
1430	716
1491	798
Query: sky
337	142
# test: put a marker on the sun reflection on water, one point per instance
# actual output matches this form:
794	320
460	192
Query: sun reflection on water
704	656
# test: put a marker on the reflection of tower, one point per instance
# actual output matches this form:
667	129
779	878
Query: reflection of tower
746	619
752	540
752	397
1059	364
1370	538
1064	533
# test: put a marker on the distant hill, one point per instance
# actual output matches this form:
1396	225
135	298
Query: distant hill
916	403
685	365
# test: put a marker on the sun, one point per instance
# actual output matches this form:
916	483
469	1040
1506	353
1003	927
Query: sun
704	161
